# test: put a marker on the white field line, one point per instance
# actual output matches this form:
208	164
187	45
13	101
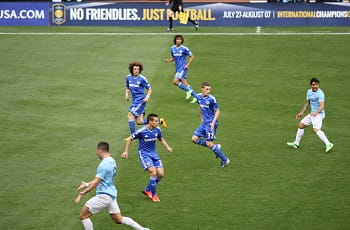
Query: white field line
167	34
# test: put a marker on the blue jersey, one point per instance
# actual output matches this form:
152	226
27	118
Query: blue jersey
147	139
106	171
137	86
315	98
208	106
180	54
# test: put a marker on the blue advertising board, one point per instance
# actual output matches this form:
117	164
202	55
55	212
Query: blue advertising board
208	14
24	14
155	14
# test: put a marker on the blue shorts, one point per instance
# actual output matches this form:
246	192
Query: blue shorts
181	74
148	160
137	108
204	131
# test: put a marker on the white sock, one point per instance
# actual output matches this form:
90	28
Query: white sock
130	222
87	224
299	135
322	136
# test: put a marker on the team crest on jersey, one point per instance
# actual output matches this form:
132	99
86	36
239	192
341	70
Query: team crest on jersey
207	102
58	14
138	82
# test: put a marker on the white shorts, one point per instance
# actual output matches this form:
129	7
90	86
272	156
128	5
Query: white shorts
102	201
315	121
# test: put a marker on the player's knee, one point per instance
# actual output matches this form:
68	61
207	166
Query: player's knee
130	116
315	130
194	139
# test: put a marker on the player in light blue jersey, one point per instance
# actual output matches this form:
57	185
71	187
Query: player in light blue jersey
204	135
136	84
316	99
179	54
149	158
106	192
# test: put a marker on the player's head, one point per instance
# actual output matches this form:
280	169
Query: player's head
205	88
104	146
135	68
152	119
315	84
179	37
102	149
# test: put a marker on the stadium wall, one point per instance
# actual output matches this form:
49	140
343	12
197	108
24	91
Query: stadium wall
155	14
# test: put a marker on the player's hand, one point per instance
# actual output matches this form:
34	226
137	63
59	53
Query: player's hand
298	116
82	185
127	97
169	149
145	99
77	200
124	155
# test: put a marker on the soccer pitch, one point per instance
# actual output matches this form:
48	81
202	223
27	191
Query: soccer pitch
63	92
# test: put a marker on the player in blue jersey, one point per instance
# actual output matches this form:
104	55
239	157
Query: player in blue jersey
178	7
148	155
204	135
106	192
179	54
316	99
136	84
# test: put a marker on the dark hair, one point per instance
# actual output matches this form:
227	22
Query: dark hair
132	64
151	116
204	84
314	80
104	146
179	36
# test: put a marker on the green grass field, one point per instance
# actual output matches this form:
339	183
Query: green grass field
62	94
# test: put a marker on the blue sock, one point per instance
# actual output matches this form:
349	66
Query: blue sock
201	142
218	152
153	185
131	125
158	180
182	86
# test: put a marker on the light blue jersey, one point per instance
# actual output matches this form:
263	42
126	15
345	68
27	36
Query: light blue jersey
315	98
107	170
180	54
208	106
137	86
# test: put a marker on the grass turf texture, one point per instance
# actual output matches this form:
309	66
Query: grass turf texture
60	95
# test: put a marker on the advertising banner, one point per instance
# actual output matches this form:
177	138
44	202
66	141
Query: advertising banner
208	14
24	14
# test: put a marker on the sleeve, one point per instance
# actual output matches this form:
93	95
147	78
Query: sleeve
101	172
160	136
215	104
146	84
321	96
127	83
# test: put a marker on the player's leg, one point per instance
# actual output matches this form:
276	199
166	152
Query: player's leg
306	121
115	214
170	15
317	125
198	134
216	148
85	215
152	185
131	122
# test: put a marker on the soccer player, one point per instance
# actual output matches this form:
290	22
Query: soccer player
148	156
136	84
179	53
204	135
106	192
316	98
178	7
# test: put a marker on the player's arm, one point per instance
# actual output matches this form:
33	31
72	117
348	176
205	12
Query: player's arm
319	109
165	144
149	92
89	186
169	60
216	116
301	113
127	94
189	62
125	154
